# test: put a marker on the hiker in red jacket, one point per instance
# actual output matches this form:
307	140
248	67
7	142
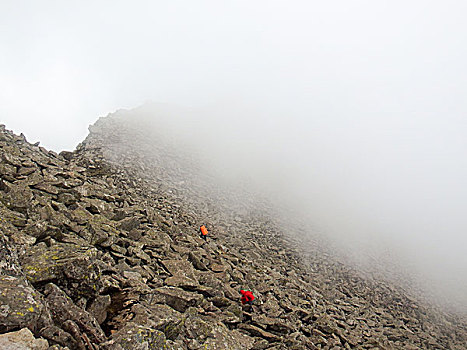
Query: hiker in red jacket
247	298
204	232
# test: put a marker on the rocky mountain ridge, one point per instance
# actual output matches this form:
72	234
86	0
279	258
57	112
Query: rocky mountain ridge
100	250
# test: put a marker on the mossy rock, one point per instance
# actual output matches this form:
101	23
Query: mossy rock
136	337
20	305
71	267
12	217
101	228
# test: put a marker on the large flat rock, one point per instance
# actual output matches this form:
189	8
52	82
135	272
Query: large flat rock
67	265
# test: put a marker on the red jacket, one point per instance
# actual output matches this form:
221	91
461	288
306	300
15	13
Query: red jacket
247	296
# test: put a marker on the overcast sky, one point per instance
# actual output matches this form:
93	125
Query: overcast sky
367	98
63	64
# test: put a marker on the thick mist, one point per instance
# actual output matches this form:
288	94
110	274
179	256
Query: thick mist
349	115
387	194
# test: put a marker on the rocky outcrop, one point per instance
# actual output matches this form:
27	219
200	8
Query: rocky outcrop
103	252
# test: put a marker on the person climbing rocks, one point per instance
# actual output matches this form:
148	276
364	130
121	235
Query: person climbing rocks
204	232
247	298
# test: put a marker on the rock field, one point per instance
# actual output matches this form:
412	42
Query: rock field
100	249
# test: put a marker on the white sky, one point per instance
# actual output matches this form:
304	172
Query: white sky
65	63
378	87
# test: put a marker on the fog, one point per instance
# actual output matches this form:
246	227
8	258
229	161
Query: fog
350	114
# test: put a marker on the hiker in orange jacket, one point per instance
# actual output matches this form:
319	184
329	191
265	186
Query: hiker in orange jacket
204	232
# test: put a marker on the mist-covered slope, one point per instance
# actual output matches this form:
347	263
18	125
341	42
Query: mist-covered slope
100	250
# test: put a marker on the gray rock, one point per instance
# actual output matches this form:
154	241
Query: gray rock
20	305
9	264
70	266
46	187
258	332
221	338
64	310
177	298
157	240
67	198
99	306
57	335
129	224
196	261
181	268
22	340
18	198
136	337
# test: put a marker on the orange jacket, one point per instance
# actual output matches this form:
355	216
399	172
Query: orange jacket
204	230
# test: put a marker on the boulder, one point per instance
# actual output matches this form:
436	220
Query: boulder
277	325
18	198
25	171
130	223
176	298
180	268
46	187
136	337
22	340
101	229
160	317
63	309
11	217
70	266
157	240
80	215
20	305
196	260
98	308
221	338
67	198
57	335
167	320
181	281
195	327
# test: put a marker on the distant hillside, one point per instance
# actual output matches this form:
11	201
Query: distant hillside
100	249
